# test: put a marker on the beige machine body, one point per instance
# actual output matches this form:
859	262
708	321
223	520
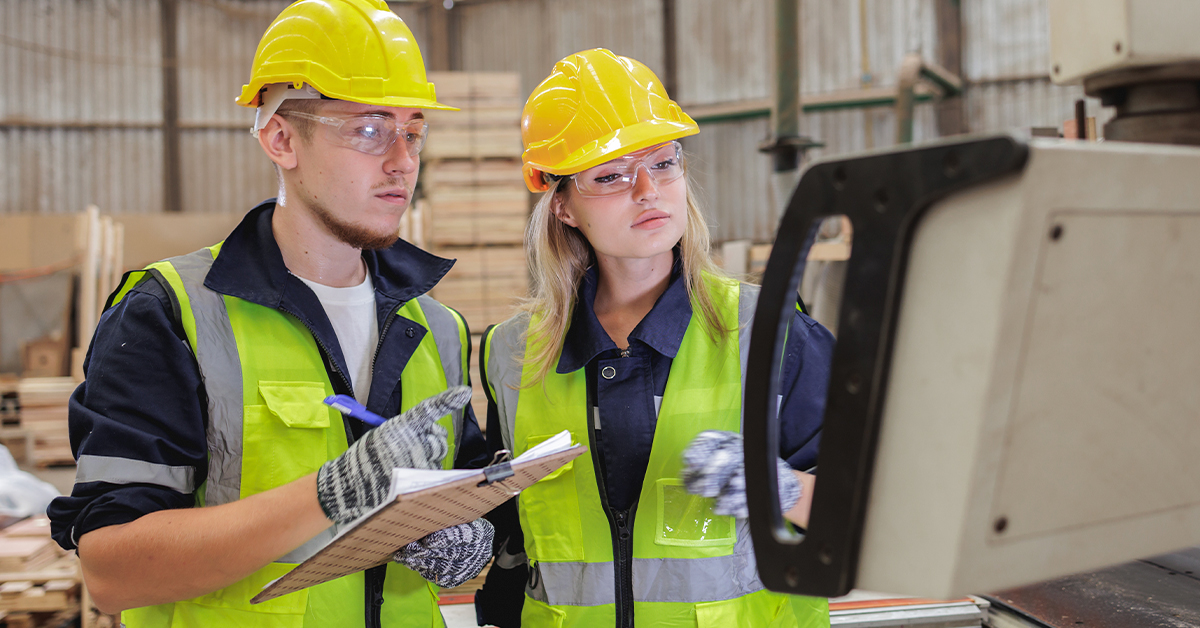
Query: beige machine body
1043	412
1093	37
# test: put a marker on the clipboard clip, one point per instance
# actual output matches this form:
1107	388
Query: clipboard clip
498	470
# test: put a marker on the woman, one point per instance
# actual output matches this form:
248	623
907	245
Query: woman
634	341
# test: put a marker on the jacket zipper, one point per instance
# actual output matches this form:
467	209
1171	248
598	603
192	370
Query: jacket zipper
373	578
621	522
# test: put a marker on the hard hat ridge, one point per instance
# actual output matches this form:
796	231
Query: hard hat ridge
354	50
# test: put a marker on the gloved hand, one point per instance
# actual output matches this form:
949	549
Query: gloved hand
714	466
358	480
451	556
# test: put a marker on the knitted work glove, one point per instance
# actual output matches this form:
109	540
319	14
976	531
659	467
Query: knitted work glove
713	466
451	556
358	480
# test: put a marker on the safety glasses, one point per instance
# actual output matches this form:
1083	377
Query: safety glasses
371	133
664	163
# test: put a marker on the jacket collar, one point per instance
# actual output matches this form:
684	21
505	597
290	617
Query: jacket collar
662	329
251	266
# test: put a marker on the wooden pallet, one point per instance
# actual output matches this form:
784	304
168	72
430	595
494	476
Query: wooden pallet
459	173
477	216
30	597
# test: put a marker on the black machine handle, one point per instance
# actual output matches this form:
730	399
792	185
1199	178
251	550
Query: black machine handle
884	195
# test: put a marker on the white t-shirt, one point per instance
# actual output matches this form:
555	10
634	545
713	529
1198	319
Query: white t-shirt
352	313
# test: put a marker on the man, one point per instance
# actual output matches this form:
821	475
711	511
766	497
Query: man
207	372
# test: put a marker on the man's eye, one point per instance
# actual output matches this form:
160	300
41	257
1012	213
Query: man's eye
369	130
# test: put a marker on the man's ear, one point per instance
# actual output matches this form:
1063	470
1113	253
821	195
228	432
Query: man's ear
278	140
558	206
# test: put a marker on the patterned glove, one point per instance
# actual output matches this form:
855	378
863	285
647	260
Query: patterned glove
713	466
358	480
452	556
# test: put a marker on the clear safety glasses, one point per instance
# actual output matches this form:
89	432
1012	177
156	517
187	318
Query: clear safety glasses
664	163
371	134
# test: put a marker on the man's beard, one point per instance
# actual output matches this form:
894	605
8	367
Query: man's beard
352	234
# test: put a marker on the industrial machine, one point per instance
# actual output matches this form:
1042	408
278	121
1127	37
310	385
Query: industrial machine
1013	394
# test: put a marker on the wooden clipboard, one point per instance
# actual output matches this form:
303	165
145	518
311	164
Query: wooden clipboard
413	515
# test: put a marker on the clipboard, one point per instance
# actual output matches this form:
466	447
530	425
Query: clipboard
412	515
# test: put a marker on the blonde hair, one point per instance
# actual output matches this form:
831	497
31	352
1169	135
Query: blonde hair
559	255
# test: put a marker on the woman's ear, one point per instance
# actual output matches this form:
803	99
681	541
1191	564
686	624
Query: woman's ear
278	140
558	205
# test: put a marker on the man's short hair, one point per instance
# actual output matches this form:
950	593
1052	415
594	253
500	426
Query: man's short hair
304	127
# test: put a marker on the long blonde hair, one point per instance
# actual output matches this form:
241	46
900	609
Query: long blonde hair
559	255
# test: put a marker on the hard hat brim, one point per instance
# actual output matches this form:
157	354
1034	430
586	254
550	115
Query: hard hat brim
250	98
620	142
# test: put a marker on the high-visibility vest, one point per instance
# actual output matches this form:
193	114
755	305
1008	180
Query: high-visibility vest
267	426
690	567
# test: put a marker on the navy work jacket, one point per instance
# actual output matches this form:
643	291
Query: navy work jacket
144	398
627	401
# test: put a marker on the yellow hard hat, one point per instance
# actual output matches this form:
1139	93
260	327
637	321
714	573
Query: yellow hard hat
355	50
595	106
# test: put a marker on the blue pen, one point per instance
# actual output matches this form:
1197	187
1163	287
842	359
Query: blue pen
348	406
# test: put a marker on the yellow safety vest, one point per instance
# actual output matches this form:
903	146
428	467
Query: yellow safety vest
266	380
690	567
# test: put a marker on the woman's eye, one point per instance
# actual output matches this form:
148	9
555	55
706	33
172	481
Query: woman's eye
664	164
607	178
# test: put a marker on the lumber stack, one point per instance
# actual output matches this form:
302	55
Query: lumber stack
43	415
40	583
477	203
471	172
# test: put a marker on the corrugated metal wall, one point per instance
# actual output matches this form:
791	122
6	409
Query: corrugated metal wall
81	112
529	36
223	168
1006	59
80	107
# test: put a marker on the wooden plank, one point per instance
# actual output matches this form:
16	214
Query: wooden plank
89	276
64	568
472	143
104	272
45	391
36	526
20	554
491	261
457	173
477	228
482	288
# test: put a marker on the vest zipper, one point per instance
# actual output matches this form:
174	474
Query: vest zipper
373	578
621	522
326	352
383	332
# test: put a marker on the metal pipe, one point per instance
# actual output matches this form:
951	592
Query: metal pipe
787	69
787	145
172	165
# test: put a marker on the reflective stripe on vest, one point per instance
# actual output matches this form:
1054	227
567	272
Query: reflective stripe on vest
688	563
265	380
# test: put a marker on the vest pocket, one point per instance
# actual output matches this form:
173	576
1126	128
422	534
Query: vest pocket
286	437
541	615
550	514
762	608
688	520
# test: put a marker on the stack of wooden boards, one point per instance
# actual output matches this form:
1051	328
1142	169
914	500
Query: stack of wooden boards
476	198
40	584
43	416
